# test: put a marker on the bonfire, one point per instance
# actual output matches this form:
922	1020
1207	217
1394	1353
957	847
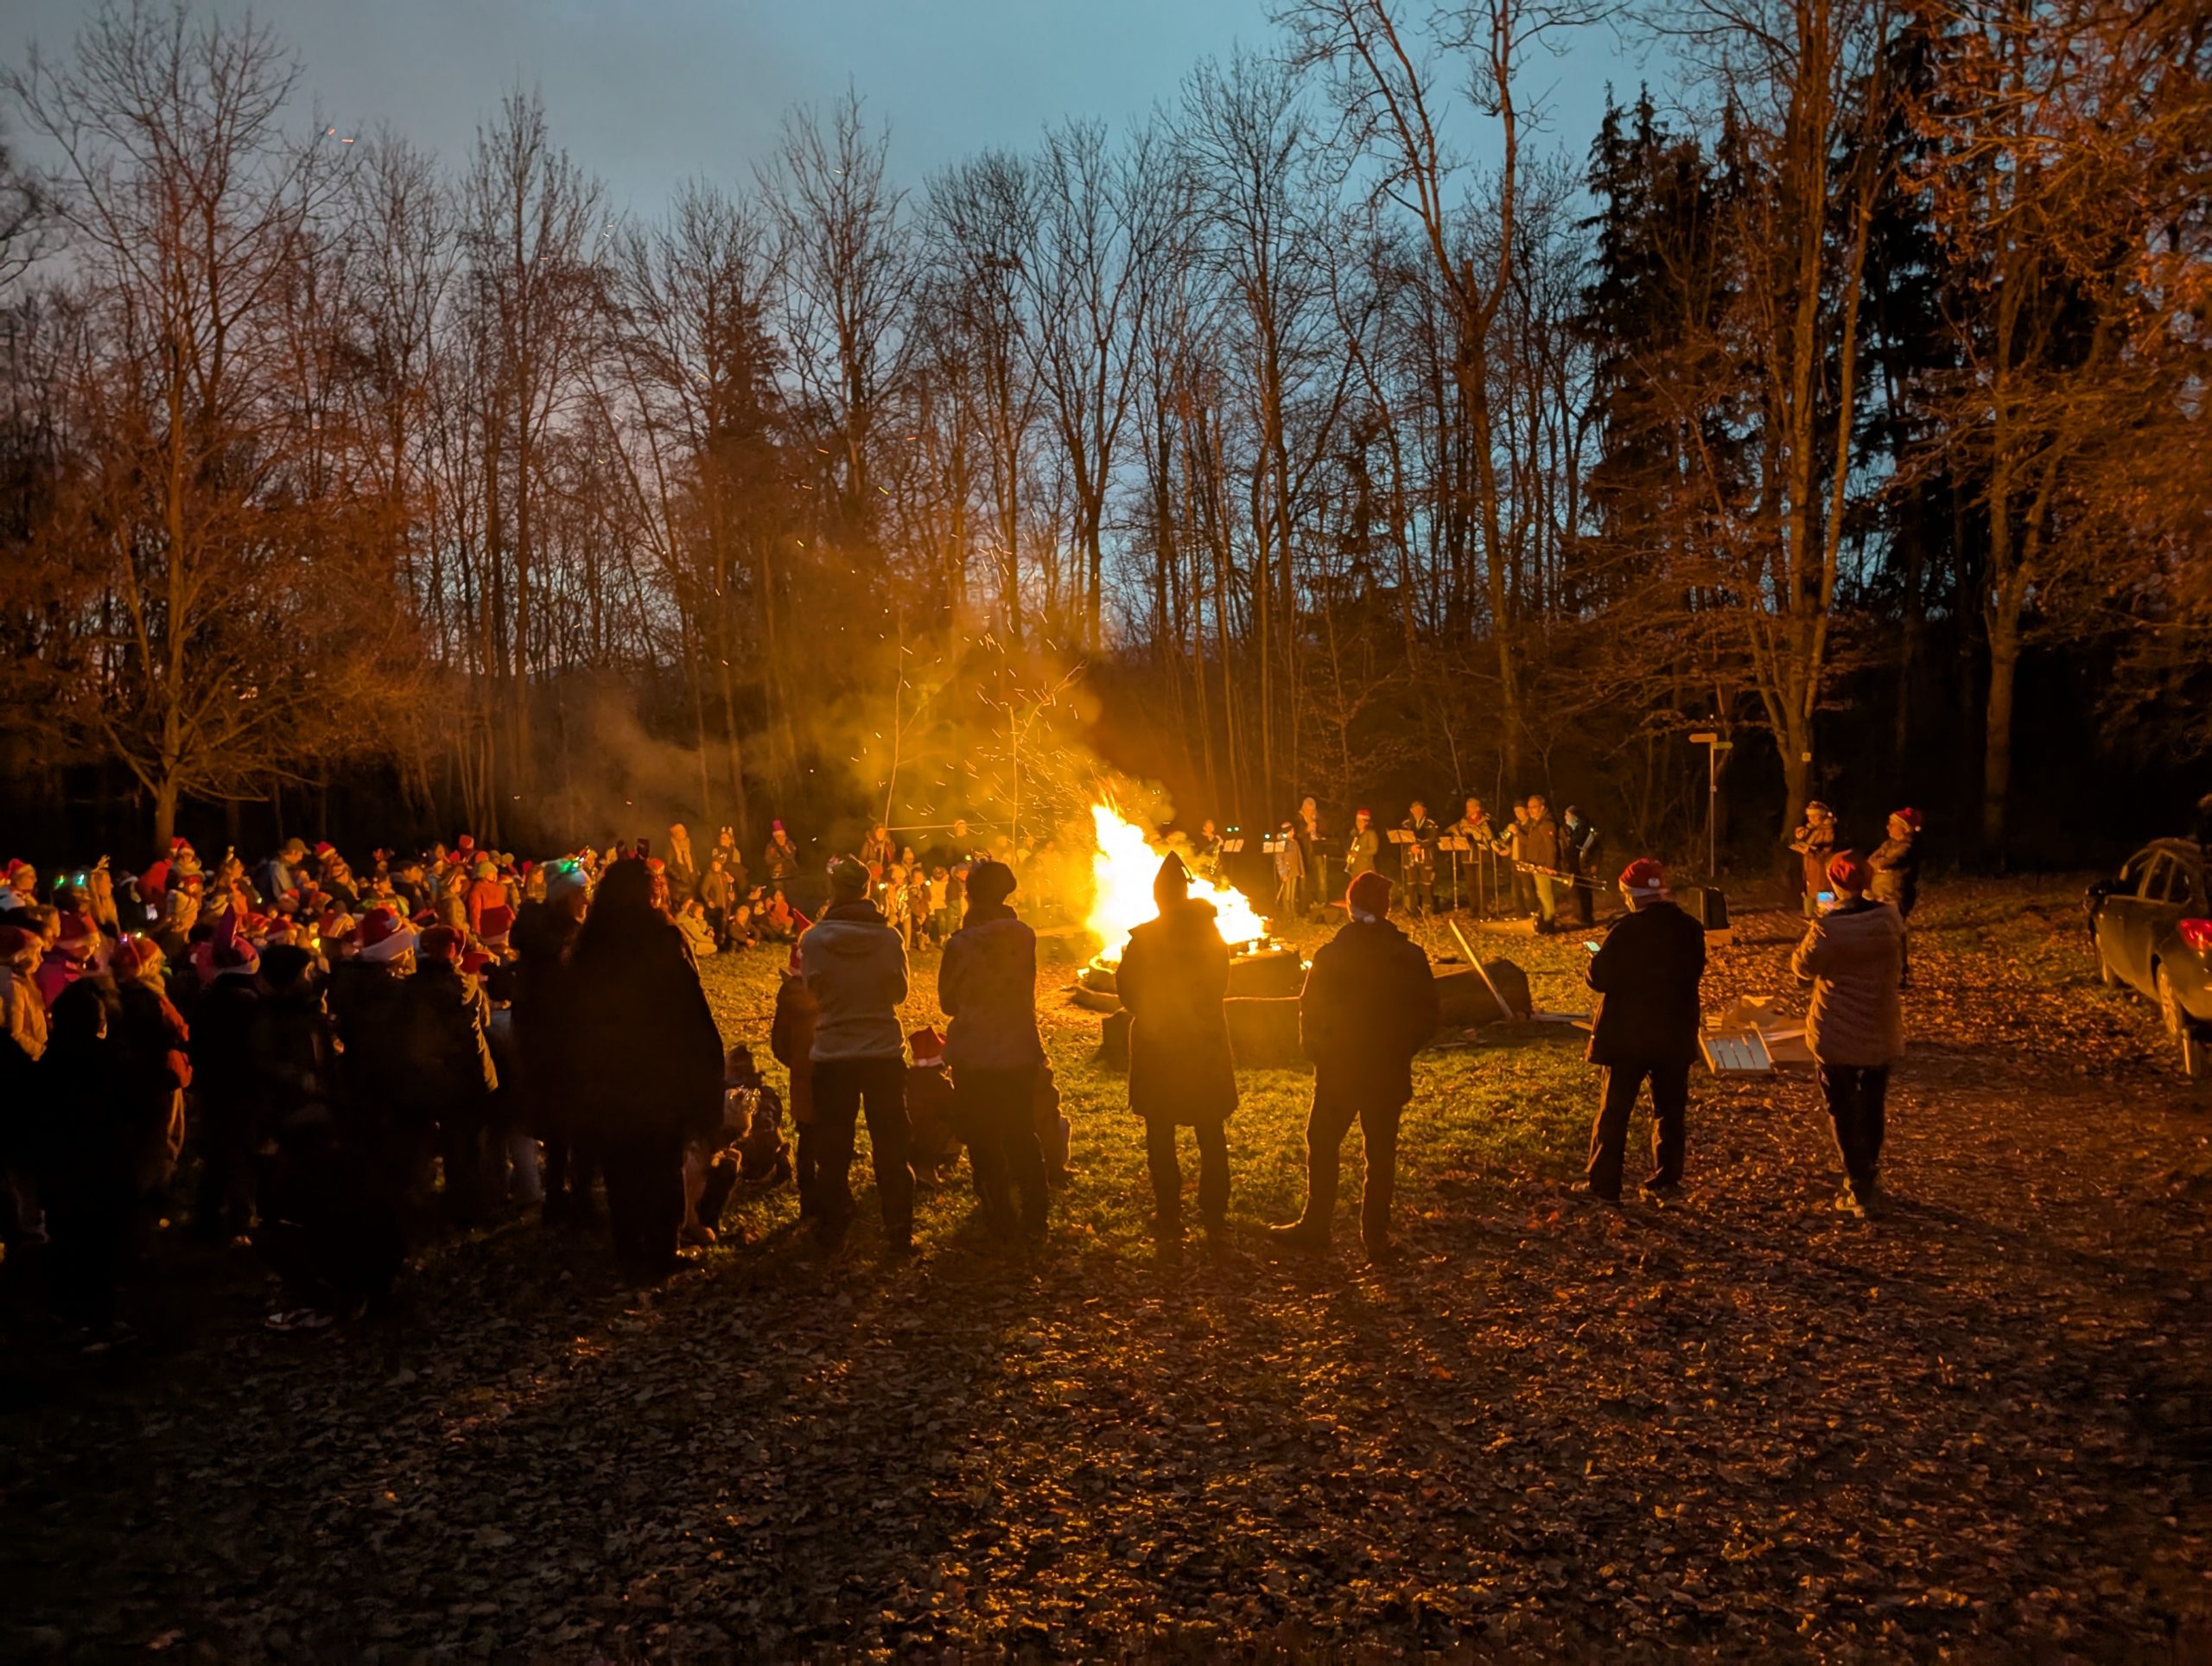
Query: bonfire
1121	874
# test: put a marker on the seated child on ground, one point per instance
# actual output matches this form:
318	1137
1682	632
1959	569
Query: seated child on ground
753	1151
935	1145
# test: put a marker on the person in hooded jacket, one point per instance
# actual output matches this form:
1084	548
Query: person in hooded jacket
1368	1007
856	970
450	1062
649	1077
1172	980
987	985
1854	956
1647	974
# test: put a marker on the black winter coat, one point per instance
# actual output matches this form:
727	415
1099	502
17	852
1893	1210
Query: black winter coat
222	1045
372	1007
650	1064
1369	1006
1646	975
449	1049
81	1146
292	1046
1173	978
545	937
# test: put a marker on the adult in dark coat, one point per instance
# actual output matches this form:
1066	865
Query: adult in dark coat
228	1088
1646	974
988	986
1369	1006
156	1061
81	1156
544	940
649	1076
450	1064
1172	979
369	1004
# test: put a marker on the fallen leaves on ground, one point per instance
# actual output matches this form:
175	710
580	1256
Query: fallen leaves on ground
1747	1425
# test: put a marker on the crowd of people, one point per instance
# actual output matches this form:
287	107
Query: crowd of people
356	1059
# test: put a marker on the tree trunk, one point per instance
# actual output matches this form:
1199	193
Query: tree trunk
165	803
1997	745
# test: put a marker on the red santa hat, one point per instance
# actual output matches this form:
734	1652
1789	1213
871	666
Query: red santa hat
325	850
1643	877
74	928
464	843
136	956
1847	871
384	935
475	963
928	1046
1909	815
229	947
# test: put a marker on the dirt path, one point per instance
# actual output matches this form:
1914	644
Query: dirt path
1747	1425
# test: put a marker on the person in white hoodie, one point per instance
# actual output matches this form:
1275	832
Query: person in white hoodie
855	968
988	986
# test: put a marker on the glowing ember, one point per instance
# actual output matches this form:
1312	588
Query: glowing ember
1121	874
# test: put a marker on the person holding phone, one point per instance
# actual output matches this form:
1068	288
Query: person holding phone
1646	973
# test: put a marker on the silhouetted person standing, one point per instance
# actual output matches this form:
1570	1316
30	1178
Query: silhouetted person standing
988	986
544	939
1646	975
1369	1006
855	968
649	1076
1173	978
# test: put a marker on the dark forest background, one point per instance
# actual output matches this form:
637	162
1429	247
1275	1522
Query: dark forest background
1844	396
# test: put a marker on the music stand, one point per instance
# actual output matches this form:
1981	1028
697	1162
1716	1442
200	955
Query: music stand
1457	847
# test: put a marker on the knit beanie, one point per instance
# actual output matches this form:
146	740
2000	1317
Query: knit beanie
848	879
1369	895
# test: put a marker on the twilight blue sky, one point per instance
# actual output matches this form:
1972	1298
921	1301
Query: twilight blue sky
648	93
